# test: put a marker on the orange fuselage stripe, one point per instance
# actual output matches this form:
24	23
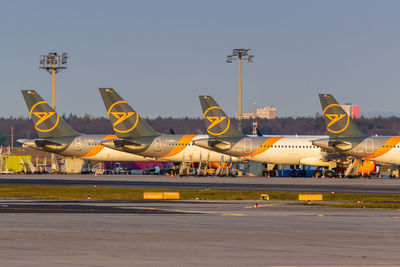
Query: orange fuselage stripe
180	146
387	146
267	143
98	148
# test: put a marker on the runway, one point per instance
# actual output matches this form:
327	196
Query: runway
195	233
73	207
366	186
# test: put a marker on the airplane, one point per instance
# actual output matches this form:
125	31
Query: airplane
272	149
57	136
347	139
134	135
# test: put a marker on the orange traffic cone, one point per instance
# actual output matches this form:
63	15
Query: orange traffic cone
379	176
323	176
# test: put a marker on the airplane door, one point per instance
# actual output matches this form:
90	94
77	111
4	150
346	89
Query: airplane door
247	145
370	145
78	144
157	144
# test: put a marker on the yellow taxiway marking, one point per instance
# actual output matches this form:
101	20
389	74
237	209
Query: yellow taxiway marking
192	211
260	206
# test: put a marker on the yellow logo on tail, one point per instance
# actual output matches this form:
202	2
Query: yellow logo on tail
121	116
43	116
336	124
334	118
216	120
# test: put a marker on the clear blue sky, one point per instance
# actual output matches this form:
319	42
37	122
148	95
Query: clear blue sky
160	55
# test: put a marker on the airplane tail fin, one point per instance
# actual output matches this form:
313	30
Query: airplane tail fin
338	122
126	122
217	122
47	122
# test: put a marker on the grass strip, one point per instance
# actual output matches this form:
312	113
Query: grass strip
129	193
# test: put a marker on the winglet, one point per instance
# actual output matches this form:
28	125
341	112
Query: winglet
338	122
217	122
47	122
126	122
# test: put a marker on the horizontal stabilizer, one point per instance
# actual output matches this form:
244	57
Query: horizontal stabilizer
211	143
126	144
342	145
333	143
220	144
42	143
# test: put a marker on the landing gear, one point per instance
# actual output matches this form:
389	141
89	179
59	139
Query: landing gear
329	174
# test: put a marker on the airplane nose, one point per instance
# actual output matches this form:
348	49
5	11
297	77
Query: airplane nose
27	143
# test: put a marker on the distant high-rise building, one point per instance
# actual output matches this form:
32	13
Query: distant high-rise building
351	110
262	113
354	112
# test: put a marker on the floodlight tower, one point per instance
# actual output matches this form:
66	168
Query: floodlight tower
53	63
240	54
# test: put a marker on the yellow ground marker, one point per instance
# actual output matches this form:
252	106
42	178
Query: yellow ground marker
309	197
161	195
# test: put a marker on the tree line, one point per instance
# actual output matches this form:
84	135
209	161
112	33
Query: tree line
23	127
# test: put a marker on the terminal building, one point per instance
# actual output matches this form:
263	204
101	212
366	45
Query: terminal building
260	113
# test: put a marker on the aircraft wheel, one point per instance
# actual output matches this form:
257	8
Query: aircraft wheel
329	174
272	173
